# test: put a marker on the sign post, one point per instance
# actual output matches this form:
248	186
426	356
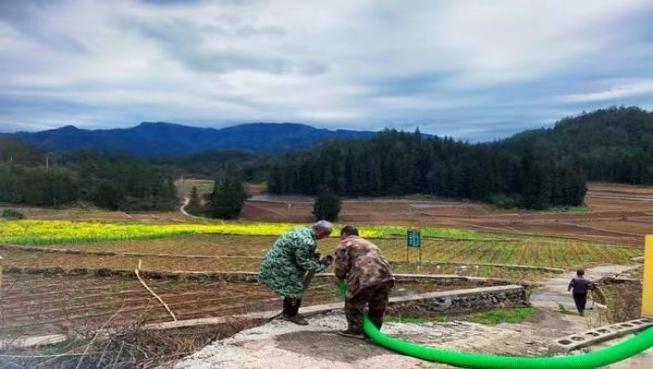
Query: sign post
647	278
414	240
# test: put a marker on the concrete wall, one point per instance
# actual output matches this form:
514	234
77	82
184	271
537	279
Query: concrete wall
460	301
474	299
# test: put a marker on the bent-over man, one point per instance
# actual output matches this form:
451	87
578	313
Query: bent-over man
285	265
369	279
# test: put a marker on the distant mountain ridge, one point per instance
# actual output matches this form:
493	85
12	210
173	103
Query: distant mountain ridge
160	138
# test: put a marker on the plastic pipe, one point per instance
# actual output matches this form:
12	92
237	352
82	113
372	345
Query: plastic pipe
596	359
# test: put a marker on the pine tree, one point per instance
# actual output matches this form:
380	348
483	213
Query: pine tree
194	205
109	195
327	205
536	183
227	199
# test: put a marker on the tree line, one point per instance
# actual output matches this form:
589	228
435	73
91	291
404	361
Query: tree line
400	163
30	176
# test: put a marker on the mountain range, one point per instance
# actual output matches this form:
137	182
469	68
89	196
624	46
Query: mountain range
160	138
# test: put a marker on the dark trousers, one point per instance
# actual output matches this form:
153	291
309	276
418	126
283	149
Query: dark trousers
581	300
376	298
291	306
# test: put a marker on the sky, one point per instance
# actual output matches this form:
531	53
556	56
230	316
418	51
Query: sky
474	70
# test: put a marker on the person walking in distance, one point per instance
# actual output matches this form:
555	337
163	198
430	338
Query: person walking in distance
580	287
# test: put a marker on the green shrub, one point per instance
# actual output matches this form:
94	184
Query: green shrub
327	205
12	214
505	201
227	199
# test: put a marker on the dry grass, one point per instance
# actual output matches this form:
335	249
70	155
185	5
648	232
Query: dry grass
184	187
624	301
128	347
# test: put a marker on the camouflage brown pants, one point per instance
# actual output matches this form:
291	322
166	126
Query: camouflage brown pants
376	297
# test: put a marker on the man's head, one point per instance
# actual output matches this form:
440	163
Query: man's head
580	272
322	229
347	231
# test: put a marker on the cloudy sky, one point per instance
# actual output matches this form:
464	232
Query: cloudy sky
475	70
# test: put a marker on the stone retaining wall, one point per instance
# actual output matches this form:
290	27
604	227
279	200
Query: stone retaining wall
456	301
461	301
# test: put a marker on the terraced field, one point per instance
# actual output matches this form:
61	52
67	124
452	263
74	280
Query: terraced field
50	304
236	252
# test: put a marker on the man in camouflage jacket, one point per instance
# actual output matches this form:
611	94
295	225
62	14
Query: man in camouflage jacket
285	265
369	280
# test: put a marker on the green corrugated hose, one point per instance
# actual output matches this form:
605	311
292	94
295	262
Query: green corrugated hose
596	359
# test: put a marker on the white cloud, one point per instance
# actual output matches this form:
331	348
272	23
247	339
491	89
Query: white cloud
613	93
367	63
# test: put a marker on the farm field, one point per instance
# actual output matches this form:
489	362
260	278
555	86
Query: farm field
205	186
234	253
458	238
35	232
49	304
613	213
31	260
185	186
542	252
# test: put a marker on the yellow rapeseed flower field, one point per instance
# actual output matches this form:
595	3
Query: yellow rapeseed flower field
34	232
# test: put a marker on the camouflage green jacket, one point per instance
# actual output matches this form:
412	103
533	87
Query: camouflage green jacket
284	266
360	262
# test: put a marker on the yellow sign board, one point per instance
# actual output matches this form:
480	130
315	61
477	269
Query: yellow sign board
647	286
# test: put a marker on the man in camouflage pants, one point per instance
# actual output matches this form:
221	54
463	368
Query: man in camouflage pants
369	280
291	256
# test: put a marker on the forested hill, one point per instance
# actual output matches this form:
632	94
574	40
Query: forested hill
613	145
156	139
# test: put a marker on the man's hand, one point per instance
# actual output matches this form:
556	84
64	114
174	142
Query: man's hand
327	260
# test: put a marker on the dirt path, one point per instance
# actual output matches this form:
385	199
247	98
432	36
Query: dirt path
554	293
185	203
282	345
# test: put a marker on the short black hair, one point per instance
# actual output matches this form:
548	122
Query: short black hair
349	231
580	272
